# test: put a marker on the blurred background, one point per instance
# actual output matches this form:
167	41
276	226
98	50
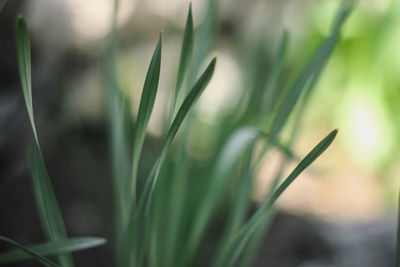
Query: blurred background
341	212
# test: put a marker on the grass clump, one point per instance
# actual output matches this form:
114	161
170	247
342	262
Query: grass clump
165	221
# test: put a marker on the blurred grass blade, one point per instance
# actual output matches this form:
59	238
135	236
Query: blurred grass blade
51	248
256	239
186	55
312	70
239	204
119	133
227	161
2	4
49	210
5	258
232	250
138	221
270	94
206	37
145	109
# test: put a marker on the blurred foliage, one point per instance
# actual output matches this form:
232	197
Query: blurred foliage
360	89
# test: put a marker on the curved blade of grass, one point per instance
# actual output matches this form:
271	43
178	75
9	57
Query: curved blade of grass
313	68
49	210
186	55
24	67
25	251
231	252
138	221
51	248
256	239
145	109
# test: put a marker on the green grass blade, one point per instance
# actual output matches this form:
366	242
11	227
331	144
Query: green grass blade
312	70
176	200
24	67
256	239
231	252
270	94
239	203
51	248
185	57
145	109
119	135
49	210
138	221
230	156
47	203
5	258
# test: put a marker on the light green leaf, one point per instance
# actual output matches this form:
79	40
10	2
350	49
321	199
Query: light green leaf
226	163
271	91
312	70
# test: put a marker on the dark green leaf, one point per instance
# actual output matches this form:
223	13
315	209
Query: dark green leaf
186	55
51	248
145	109
138	221
49	210
5	258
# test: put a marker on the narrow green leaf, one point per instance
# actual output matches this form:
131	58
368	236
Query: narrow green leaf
312	70
49	210
270	94
4	258
239	203
175	200
119	135
24	66
186	55
145	109
51	248
138	221
46	199
231	252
